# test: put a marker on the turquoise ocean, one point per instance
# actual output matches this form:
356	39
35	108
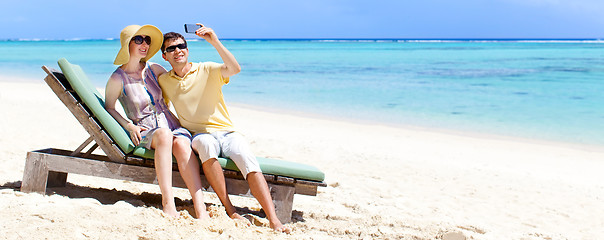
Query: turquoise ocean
537	89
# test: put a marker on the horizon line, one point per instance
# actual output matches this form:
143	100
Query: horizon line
511	39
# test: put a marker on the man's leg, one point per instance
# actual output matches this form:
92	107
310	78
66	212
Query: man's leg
236	147
208	149
259	189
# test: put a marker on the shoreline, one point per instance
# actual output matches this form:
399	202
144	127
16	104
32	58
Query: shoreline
448	131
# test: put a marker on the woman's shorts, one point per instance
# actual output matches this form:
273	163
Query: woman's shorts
148	136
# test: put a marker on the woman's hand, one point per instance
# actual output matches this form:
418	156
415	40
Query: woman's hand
135	133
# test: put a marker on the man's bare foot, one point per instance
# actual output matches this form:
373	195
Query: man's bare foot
277	226
236	216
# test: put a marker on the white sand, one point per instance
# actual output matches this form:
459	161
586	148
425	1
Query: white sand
383	182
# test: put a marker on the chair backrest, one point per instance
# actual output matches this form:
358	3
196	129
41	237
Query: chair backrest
95	101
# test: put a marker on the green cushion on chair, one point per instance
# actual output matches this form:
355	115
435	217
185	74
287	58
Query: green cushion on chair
96	103
280	168
145	153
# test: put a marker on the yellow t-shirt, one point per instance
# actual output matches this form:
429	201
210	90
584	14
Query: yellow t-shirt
197	98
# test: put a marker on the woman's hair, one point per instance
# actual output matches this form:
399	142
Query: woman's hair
171	36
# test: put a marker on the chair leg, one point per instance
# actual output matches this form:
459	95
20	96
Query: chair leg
35	174
283	198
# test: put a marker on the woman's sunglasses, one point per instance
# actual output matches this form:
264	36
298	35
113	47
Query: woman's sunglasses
179	46
138	39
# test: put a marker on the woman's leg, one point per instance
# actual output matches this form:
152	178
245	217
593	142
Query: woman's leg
189	170
162	144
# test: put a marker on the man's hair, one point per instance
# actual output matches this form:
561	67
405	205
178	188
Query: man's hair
169	37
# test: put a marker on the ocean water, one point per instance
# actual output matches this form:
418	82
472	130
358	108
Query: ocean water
546	90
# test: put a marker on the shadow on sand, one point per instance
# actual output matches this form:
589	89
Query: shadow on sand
145	199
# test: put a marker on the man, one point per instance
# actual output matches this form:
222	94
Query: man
195	89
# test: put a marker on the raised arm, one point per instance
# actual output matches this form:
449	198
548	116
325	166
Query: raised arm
157	69
112	92
231	66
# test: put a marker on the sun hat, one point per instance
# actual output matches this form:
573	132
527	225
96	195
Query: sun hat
133	30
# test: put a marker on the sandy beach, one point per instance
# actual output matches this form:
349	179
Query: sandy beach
384	182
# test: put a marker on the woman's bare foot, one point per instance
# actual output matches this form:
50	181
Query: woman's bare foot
170	211
202	215
169	207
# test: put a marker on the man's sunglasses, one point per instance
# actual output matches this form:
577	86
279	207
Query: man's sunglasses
138	39
179	46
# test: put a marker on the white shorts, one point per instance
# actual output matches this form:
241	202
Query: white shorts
226	144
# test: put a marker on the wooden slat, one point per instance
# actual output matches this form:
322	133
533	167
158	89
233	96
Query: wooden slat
116	154
284	180
70	98
94	146
232	174
82	146
135	161
84	114
270	177
54	151
97	126
96	168
59	76
306	189
313	183
238	187
113	151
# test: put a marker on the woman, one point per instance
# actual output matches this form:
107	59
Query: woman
153	126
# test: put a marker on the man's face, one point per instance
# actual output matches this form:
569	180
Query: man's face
178	56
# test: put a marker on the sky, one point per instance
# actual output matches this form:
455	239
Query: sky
323	19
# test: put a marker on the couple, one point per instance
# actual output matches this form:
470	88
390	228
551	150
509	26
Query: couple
145	89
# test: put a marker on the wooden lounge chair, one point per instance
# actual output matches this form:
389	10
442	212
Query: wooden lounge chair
49	167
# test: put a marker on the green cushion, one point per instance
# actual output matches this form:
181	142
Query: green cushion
96	103
280	168
145	153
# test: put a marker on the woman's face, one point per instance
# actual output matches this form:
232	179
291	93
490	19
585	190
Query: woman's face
138	47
